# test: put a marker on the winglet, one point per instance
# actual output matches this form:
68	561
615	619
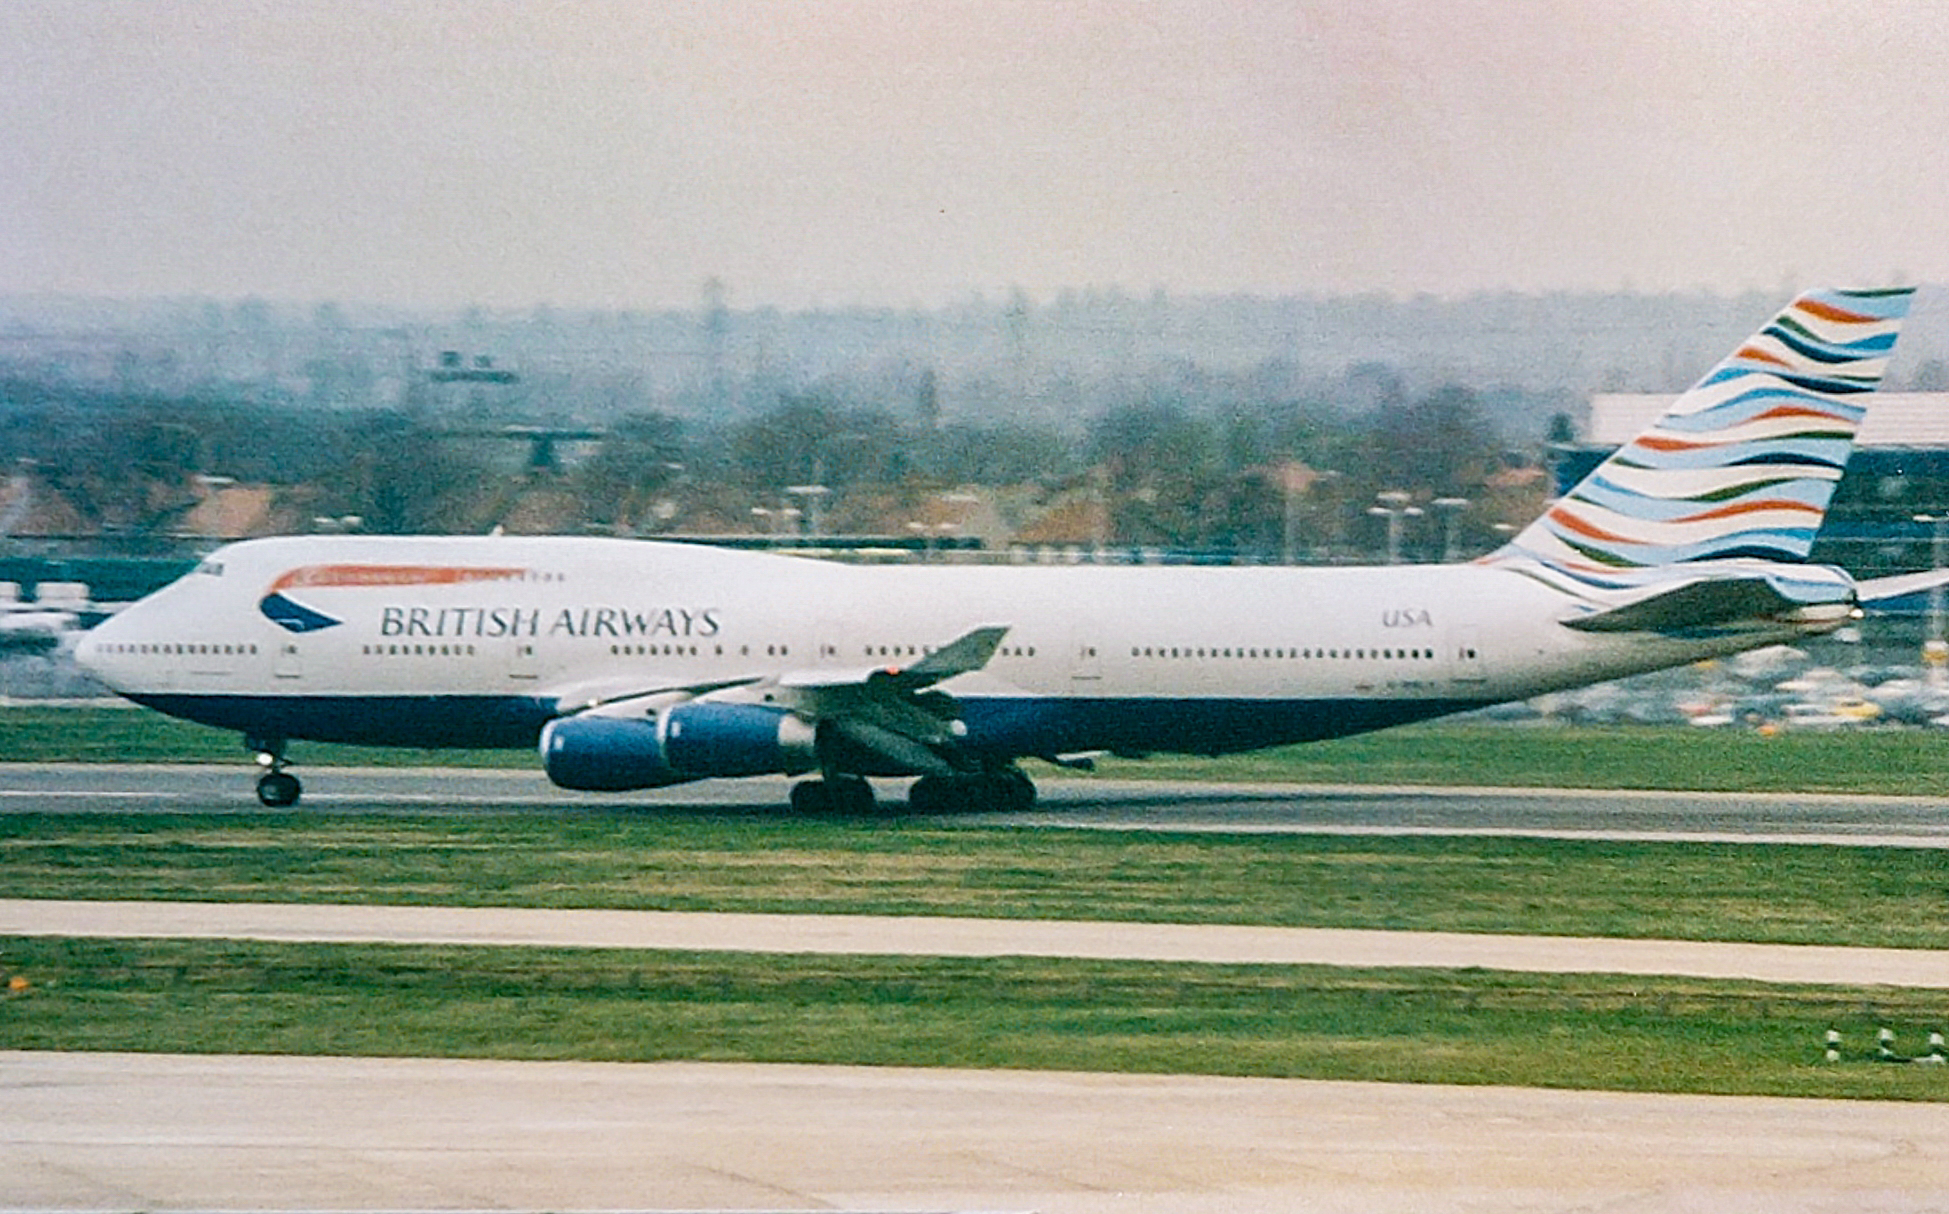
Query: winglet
970	651
967	652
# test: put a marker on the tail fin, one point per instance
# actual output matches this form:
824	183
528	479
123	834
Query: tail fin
1744	464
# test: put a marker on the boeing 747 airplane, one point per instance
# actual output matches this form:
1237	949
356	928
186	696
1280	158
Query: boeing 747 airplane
636	665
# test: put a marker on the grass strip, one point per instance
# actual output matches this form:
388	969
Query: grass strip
1880	761
669	860
1906	762
1453	1027
121	733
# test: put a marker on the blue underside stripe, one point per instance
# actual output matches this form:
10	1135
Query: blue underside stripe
1002	727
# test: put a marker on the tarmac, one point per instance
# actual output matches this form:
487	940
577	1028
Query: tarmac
131	1132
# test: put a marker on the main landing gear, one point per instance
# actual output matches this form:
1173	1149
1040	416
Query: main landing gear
833	795
276	788
1001	790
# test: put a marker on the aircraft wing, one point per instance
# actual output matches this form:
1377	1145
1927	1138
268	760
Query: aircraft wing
882	717
887	712
602	693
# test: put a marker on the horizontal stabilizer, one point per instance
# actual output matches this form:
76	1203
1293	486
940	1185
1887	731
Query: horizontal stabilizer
1880	593
1707	603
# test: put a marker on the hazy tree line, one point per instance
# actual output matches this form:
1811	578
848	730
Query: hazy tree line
1162	469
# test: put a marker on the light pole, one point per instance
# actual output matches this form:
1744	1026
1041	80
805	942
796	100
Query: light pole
777	521
1296	482
1935	650
933	539
1449	508
1394	507
813	496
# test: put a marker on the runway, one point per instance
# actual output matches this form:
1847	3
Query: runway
1072	803
156	1132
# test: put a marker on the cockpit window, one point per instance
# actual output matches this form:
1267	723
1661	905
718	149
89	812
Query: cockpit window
213	568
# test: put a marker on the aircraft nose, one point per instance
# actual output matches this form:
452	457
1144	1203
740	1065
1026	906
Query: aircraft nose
93	652
87	653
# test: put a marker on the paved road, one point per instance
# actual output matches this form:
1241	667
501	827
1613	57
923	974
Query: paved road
149	1132
1572	813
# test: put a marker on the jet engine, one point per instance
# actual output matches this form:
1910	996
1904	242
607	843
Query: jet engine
695	740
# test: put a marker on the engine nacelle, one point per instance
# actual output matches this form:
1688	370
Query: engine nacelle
697	740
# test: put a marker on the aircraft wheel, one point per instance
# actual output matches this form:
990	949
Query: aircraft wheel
931	795
993	792
851	796
839	795
278	789
1007	791
811	797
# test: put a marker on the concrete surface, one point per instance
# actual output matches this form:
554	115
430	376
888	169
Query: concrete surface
158	1132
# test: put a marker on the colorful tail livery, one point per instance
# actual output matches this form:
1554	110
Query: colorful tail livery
1741	466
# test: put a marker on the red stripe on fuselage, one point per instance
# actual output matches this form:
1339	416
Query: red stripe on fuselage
391	575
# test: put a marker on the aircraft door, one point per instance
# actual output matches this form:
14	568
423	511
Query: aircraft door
1465	656
827	650
289	662
524	663
1085	660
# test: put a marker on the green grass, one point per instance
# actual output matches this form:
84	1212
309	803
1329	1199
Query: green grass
1893	761
672	860
1466	1027
116	733
1914	762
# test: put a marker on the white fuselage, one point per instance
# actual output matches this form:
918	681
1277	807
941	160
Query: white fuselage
477	641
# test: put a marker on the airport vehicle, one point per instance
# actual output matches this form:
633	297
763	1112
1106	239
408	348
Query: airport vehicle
639	665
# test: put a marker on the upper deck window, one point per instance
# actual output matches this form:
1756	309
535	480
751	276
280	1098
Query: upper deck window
213	568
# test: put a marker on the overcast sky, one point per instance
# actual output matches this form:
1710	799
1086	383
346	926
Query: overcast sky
838	152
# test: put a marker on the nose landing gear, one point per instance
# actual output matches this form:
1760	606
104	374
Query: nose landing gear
276	788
